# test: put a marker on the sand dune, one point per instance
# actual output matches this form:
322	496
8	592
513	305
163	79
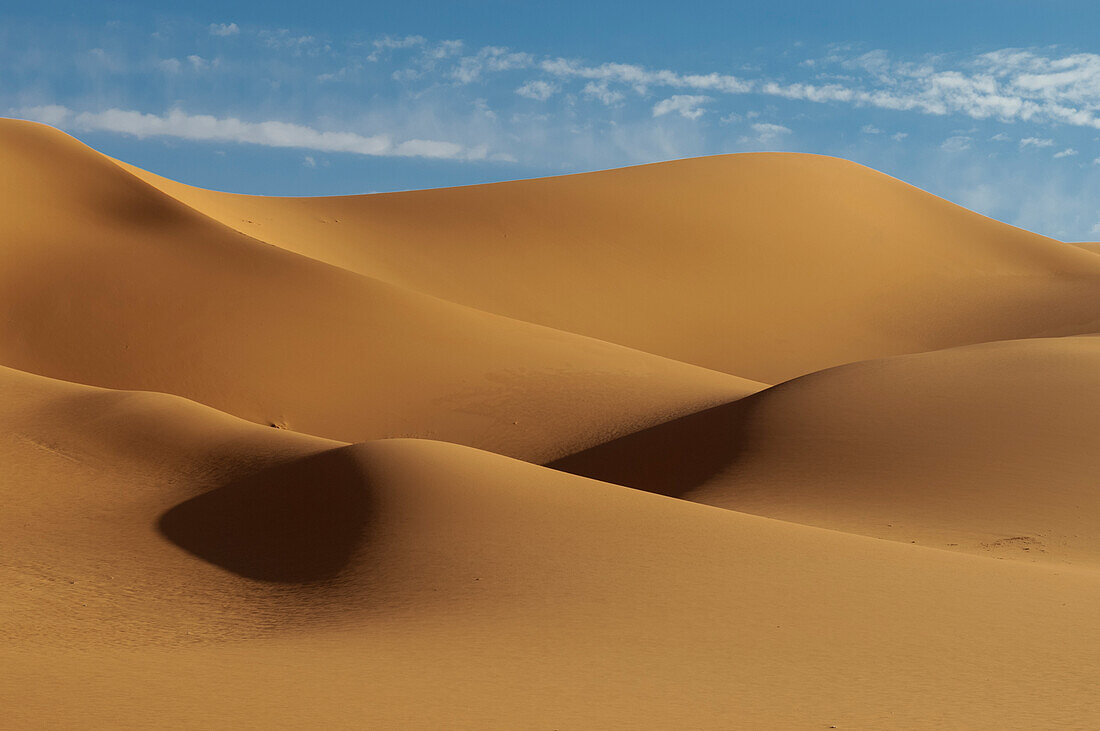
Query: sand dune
457	587
821	552
991	449
131	289
767	266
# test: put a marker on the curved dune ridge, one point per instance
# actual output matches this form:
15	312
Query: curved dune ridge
991	449
744	441
765	265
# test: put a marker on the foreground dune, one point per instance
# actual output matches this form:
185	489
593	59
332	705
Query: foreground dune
806	408
457	587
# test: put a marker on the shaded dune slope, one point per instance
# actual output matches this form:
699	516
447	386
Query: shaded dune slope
86	474
108	281
991	449
467	588
767	266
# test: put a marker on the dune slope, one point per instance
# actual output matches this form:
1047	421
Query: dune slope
991	449
109	282
767	266
457	587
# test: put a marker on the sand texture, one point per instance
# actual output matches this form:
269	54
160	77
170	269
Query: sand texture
747	441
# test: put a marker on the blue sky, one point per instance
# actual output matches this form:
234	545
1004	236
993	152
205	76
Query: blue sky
994	105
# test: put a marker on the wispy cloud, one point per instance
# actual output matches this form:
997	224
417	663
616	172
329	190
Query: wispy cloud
1068	152
388	43
641	78
1008	85
206	128
958	143
537	89
489	59
1036	142
600	91
765	133
689	106
224	29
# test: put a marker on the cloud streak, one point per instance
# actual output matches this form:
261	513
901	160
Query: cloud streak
205	128
688	106
1009	85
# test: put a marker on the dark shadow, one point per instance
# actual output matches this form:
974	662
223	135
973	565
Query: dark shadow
294	523
667	459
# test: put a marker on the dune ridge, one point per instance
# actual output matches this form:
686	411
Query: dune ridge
186	306
989	449
761	440
764	265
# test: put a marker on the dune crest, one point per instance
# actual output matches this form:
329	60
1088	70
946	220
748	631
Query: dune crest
763	265
989	449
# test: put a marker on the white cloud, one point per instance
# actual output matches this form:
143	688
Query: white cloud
600	91
1036	142
490	58
958	143
224	29
1009	85
999	137
201	127
199	63
640	78
170	65
1001	85
768	132
388	43
309	162
688	106
538	90
870	129
1068	152
899	136
771	130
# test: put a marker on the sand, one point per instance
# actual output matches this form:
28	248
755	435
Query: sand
764	441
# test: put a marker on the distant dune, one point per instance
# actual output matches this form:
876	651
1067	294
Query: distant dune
834	446
767	266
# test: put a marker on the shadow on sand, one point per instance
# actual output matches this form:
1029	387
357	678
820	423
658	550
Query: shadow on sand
668	459
294	523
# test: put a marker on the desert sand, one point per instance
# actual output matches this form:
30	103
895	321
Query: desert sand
746	441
